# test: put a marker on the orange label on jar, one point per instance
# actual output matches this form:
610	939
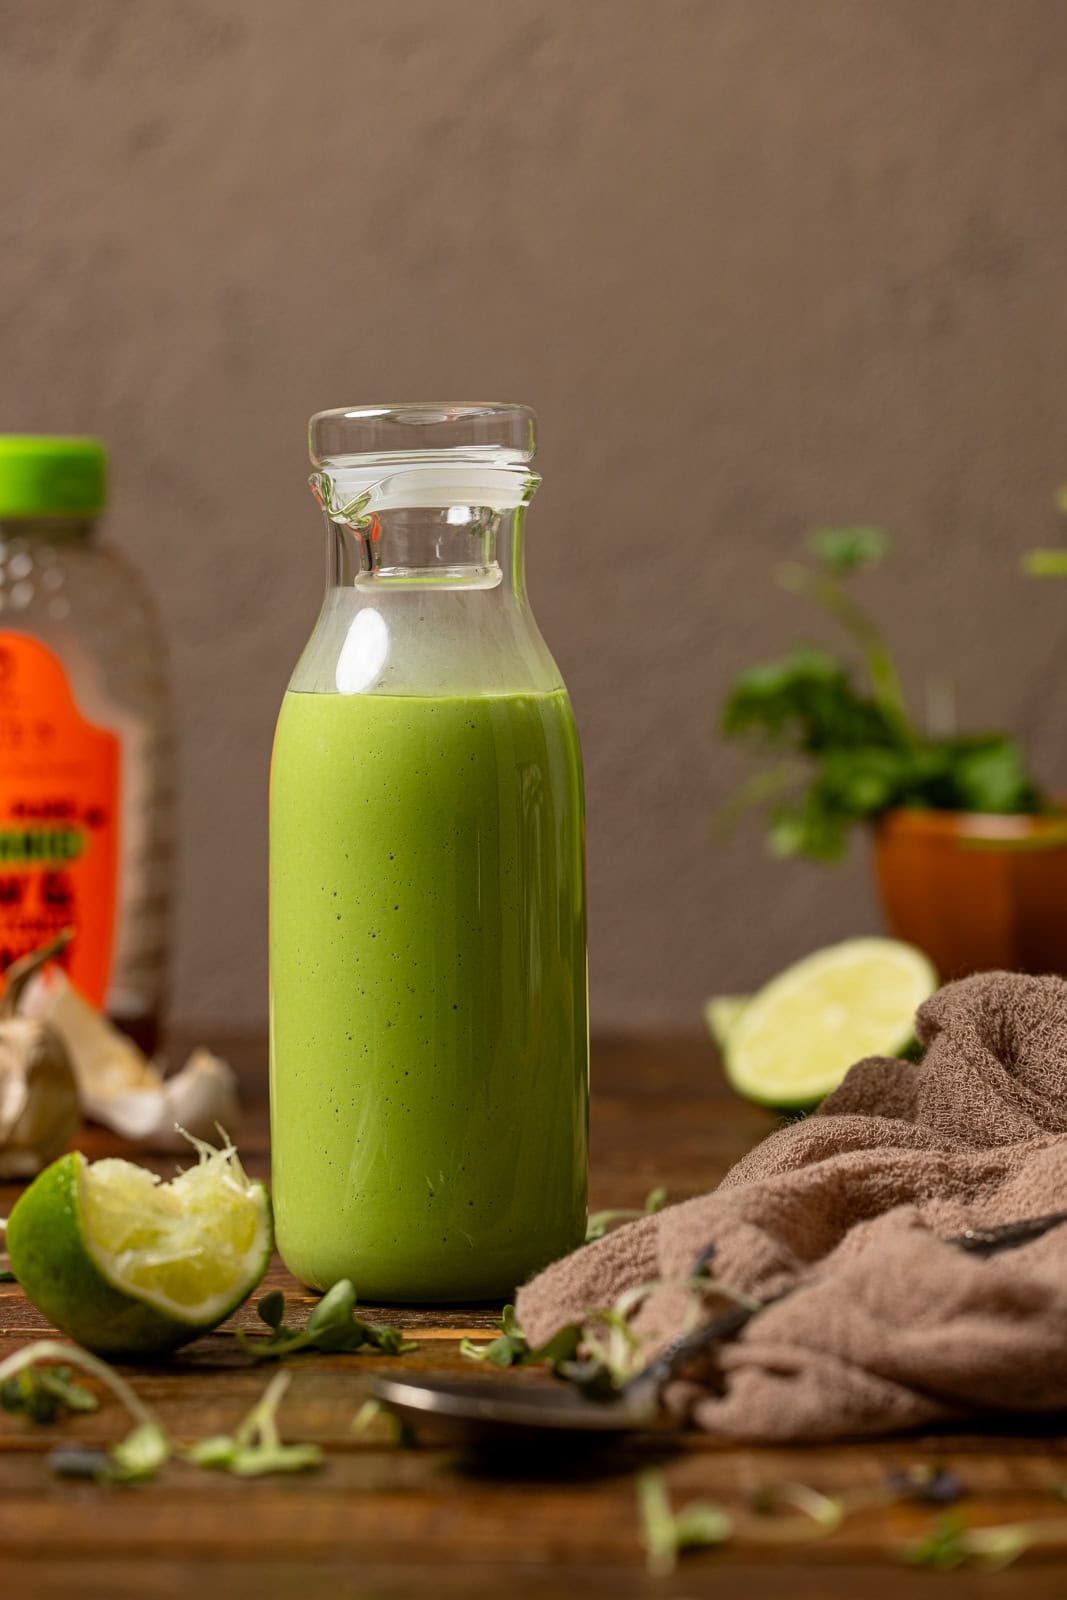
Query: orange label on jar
59	818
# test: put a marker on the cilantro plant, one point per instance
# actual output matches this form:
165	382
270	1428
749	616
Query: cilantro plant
838	743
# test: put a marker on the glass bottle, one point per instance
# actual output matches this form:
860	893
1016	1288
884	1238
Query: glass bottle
85	751
429	1033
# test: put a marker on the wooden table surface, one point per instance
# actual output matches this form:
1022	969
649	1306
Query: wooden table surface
379	1521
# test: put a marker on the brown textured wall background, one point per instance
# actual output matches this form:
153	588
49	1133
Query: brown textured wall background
757	263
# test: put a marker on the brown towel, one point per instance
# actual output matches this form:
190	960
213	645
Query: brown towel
887	1326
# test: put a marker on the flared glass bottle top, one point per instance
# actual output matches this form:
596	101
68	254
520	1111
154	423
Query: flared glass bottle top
474	428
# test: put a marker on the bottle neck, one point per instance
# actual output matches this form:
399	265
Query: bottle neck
433	547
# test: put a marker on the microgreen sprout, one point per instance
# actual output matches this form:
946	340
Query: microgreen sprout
949	1543
331	1326
511	1348
602	1353
952	1543
143	1450
819	1514
601	1221
372	1413
255	1448
665	1533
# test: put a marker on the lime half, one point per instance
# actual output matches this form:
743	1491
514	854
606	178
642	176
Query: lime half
794	1041
126	1264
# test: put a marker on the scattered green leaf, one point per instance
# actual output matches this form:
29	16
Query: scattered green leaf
41	1393
332	1326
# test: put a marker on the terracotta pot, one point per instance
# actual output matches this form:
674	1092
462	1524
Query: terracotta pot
976	892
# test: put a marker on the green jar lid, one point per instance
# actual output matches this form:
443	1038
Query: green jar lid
51	476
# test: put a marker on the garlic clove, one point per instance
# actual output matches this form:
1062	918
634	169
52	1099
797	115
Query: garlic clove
106	1062
39	1108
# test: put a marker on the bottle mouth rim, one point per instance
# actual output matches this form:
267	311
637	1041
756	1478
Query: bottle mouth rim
426	431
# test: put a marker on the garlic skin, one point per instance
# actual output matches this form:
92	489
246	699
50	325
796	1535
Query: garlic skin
119	1086
39	1108
199	1100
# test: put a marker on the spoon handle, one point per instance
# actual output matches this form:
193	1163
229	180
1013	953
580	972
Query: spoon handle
1006	1235
688	1346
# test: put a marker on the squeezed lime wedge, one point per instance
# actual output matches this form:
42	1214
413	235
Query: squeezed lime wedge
125	1264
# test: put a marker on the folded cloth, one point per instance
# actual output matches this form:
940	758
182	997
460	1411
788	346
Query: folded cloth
886	1325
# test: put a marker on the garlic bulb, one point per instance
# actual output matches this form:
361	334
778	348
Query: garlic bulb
39	1109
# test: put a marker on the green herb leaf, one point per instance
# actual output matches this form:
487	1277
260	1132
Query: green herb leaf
1045	563
856	764
271	1309
139	1456
331	1326
7	1276
41	1393
848	550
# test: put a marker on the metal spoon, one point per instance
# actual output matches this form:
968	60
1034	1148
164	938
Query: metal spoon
480	1412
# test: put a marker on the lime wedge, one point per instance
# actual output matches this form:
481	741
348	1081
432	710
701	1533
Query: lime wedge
126	1264
795	1040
